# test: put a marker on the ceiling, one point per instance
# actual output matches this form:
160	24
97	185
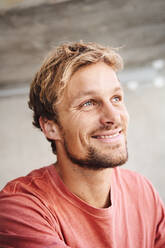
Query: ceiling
29	29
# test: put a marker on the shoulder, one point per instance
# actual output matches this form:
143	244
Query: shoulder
25	211
140	199
132	178
35	180
34	188
137	186
31	193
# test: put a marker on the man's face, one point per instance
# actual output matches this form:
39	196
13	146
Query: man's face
93	118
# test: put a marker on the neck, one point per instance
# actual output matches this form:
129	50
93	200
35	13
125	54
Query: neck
92	186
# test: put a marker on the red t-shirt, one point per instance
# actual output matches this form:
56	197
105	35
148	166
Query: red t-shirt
38	211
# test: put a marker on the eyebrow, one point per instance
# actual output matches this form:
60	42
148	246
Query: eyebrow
92	92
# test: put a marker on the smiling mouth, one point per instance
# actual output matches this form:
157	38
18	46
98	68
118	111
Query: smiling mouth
105	136
109	137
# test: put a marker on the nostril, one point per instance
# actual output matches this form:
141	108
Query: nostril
108	125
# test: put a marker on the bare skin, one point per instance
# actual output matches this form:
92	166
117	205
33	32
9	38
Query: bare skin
93	100
93	187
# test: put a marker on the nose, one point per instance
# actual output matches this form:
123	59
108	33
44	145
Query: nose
110	115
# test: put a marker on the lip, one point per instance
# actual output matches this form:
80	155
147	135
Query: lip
108	137
108	133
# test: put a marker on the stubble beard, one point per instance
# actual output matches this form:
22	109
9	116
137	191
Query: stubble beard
95	160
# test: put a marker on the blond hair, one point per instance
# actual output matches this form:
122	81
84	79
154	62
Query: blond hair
50	81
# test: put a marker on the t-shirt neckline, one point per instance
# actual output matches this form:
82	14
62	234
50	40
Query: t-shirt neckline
75	200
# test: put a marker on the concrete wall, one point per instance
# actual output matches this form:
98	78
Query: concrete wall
29	31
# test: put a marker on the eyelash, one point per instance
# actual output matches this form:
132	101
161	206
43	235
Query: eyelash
93	102
119	98
89	101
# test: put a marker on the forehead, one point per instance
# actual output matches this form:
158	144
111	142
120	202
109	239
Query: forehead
95	80
94	77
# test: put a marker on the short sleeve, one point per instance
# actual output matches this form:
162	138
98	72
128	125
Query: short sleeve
26	223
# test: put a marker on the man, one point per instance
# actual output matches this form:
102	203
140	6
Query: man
84	200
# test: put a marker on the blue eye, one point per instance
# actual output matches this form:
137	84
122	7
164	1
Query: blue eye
89	103
116	99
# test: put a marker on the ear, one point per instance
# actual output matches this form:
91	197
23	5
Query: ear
50	128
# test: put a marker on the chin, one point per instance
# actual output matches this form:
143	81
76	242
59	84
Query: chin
97	160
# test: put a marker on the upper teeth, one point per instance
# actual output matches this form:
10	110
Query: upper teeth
107	136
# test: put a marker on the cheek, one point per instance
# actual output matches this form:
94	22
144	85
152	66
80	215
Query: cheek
72	133
78	126
125	118
80	122
69	122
